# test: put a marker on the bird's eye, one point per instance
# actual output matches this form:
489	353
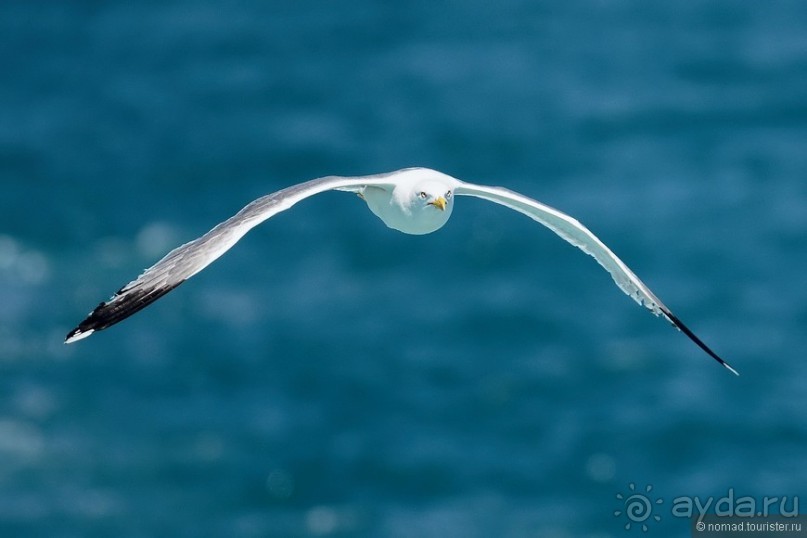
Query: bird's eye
423	195
448	195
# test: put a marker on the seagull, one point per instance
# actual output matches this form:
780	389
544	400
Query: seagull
414	201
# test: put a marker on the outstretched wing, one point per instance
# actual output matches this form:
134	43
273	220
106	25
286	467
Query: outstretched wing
575	233
185	261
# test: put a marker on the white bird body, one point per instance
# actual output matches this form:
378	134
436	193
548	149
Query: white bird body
402	207
413	200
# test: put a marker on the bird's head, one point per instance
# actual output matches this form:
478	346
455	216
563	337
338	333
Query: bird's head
430	205
433	196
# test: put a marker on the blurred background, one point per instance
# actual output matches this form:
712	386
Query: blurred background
331	377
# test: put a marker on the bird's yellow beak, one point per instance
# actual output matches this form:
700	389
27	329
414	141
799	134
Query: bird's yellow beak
439	203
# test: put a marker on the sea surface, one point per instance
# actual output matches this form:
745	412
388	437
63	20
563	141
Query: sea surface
332	377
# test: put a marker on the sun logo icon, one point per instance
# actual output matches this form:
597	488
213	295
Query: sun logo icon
638	507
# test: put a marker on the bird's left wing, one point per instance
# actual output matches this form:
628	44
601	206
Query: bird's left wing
575	233
185	261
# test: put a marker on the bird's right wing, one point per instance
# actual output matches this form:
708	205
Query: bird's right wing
185	261
578	235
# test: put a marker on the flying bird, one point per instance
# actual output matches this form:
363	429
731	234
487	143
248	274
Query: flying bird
413	200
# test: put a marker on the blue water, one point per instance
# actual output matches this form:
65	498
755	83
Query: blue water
331	377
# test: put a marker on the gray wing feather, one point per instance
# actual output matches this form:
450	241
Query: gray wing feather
185	261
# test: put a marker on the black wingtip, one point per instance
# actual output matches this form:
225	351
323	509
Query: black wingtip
120	307
684	329
77	334
88	326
